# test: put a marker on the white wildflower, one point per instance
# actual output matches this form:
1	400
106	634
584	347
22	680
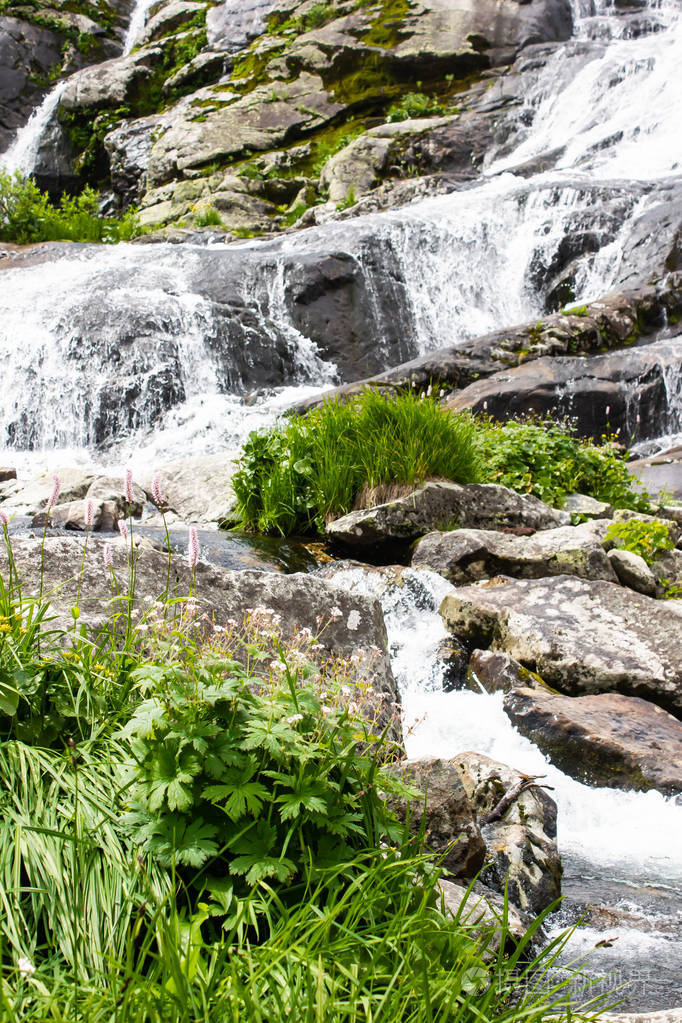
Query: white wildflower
294	719
25	966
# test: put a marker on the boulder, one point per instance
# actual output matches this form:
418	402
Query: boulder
588	507
467	555
522	841
112	491
31	497
662	471
197	489
438	504
667	571
494	671
483	909
449	820
619	741
6	473
347	626
581	637
105	516
633	571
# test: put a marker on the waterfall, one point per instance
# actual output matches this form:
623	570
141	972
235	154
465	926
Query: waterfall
21	155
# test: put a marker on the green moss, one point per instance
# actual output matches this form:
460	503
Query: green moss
388	27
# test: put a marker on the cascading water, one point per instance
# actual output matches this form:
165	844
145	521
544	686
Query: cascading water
21	155
620	850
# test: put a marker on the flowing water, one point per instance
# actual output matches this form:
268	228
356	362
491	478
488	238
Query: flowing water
125	354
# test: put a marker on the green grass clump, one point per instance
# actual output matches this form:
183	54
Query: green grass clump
544	458
28	216
297	475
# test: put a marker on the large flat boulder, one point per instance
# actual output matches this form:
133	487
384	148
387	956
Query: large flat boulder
581	637
442	505
620	741
197	489
467	555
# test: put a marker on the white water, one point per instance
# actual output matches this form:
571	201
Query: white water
21	155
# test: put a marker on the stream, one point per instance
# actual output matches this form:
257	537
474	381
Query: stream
132	355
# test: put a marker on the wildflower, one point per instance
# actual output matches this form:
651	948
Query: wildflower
335	613
123	529
56	487
638	418
429	390
89	513
107	556
157	496
294	719
130	497
352	708
485	406
608	409
326	710
192	547
25	966
4	521
353	620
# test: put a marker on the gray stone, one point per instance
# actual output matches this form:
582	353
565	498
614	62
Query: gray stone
495	671
662	471
435	504
619	741
31	497
588	507
633	571
467	555
450	824
522	843
581	637
198	489
483	912
112	491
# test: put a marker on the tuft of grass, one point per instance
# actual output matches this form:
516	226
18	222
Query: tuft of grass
300	474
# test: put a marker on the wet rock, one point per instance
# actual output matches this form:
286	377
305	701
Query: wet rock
581	637
483	911
495	671
633	571
587	507
112	491
452	657
467	555
7	474
522	843
450	823
434	504
619	741
197	489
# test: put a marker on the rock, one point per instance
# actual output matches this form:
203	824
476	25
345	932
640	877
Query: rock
619	741
483	912
302	601
171	17
198	489
467	555
633	571
104	516
112	491
522	844
581	637
435	504
452	656
494	671
30	498
627	515
667	570
588	507
7	474
660	1016
450	823
662	471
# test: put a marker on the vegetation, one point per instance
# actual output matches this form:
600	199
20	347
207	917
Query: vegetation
415	104
295	477
204	836
647	539
27	215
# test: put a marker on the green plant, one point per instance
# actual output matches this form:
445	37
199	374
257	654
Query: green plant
295	476
208	217
414	104
542	457
349	201
647	539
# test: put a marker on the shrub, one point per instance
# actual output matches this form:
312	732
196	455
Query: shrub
28	216
295	476
541	457
647	539
414	104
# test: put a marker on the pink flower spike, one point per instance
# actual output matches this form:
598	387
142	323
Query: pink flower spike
123	529
89	513
157	495
4	521
639	419
130	497
608	409
56	487
107	556
192	547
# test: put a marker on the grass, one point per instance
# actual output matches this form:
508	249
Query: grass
295	477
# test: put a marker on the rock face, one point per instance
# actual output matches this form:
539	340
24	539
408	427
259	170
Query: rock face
522	843
197	490
357	634
609	739
436	504
581	637
467	555
449	819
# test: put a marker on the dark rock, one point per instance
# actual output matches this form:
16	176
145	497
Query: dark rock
466	555
450	823
619	741
495	671
581	637
522	843
434	504
453	658
7	474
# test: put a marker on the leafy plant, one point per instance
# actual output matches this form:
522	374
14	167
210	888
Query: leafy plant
295	476
647	539
415	104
